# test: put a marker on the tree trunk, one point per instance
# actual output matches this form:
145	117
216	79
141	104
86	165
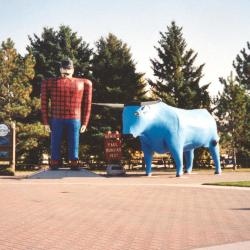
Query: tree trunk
234	158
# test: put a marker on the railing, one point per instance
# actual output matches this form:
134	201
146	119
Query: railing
136	163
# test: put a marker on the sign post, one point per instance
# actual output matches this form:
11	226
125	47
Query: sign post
8	145
113	153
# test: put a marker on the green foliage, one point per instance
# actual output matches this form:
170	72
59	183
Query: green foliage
51	48
242	67
115	81
232	113
16	72
114	72
177	78
6	171
32	142
246	138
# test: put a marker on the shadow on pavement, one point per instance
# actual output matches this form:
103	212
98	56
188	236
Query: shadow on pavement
243	208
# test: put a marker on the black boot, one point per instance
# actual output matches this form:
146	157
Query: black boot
54	164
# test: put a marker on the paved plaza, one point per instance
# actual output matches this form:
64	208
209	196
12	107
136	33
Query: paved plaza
80	210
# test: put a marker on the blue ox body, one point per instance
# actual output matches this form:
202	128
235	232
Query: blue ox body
162	128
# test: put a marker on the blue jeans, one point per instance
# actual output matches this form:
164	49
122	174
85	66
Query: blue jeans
72	127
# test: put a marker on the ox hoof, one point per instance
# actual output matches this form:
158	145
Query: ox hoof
179	175
217	173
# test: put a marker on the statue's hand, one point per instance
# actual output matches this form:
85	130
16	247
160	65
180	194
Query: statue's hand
83	128
47	128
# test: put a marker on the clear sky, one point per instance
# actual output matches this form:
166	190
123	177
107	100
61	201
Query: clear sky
216	29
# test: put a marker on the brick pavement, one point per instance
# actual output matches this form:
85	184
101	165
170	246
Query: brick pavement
132	213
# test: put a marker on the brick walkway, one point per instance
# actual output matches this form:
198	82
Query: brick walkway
130	213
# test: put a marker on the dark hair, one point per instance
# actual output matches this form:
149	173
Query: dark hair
67	63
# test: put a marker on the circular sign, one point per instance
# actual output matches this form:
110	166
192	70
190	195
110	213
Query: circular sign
4	130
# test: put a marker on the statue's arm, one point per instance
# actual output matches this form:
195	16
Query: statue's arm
87	99
44	105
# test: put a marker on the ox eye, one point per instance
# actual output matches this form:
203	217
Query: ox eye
136	114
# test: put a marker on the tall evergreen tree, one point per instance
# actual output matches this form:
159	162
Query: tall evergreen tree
232	114
115	72
115	77
51	47
177	79
116	81
15	101
242	67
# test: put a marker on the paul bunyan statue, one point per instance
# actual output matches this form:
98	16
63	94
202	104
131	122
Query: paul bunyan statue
69	110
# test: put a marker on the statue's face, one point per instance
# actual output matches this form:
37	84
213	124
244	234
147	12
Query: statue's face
68	73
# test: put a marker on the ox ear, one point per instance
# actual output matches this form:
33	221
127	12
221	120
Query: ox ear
110	105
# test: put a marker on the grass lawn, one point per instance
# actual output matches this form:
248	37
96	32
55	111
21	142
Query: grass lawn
231	183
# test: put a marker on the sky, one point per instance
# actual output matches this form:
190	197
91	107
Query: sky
216	29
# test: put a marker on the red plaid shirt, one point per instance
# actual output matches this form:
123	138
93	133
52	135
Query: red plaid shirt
66	96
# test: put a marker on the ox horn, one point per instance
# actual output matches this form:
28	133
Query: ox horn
110	105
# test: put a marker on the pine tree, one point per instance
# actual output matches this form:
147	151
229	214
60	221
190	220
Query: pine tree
115	71
115	77
16	104
177	79
116	81
51	48
242	67
232	114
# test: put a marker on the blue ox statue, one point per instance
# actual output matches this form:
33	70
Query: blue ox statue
162	128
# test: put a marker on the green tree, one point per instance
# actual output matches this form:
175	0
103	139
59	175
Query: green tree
232	114
242	67
51	47
177	79
115	73
16	72
116	81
